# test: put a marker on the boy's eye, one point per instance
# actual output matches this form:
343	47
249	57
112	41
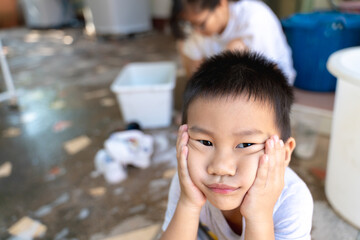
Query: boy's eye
206	143
244	145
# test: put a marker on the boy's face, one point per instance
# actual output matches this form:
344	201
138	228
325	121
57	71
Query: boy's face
226	141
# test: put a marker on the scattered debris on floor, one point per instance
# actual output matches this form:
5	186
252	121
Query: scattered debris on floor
137	209
54	173
62	234
118	191
11	132
61	126
107	102
96	94
84	213
5	169
77	144
27	228
137	224
319	173
97	192
147	233
46	209
58	104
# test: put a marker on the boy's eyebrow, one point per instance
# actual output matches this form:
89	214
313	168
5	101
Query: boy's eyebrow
200	130
246	132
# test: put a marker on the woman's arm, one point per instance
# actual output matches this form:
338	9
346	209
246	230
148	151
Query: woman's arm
189	64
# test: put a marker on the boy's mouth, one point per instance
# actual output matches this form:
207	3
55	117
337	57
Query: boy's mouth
221	188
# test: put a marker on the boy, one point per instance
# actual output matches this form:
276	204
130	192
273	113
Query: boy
233	155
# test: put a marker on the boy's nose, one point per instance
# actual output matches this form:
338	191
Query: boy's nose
222	165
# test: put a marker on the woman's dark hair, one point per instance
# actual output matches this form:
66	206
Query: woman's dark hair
178	7
233	74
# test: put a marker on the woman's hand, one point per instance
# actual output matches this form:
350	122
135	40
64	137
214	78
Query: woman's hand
236	45
190	196
259	202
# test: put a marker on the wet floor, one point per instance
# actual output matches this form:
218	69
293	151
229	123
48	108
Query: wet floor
63	79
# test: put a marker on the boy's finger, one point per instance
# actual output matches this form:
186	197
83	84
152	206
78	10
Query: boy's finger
181	130
262	172
181	141
179	134
183	168
277	156
270	152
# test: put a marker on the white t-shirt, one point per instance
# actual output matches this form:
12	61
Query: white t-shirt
258	27
292	212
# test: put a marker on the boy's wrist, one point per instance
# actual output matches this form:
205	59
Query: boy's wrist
189	206
259	220
260	229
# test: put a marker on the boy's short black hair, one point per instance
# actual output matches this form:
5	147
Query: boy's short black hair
233	73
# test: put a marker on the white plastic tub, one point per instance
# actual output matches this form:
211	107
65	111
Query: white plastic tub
145	93
342	184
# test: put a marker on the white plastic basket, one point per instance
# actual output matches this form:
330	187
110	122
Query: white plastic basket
145	93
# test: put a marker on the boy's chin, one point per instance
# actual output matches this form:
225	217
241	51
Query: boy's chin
224	205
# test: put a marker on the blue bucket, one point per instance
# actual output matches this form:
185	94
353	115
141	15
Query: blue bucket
313	37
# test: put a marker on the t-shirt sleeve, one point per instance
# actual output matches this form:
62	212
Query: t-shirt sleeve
293	217
173	198
265	35
265	29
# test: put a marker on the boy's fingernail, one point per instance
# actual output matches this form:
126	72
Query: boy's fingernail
271	143
276	138
281	143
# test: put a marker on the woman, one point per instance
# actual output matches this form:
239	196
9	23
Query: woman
207	27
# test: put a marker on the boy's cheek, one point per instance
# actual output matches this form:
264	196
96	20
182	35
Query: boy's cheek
248	169
196	162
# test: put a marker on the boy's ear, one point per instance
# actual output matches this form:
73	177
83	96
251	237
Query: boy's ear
289	148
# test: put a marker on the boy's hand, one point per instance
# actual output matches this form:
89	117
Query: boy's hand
259	202
190	196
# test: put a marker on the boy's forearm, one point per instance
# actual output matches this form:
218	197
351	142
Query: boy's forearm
184	224
262	230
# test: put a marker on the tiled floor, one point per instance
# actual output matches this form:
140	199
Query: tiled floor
64	78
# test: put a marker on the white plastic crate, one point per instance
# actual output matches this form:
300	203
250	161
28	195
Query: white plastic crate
145	93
